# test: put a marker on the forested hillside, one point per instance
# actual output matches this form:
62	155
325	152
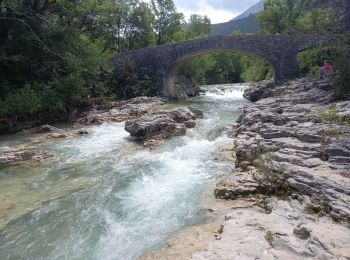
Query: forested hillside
247	25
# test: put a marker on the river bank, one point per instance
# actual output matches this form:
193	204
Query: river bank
289	196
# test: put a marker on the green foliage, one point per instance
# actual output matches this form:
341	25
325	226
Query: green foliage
273	176
310	61
270	238
197	67
319	21
126	83
256	69
225	67
167	20
290	16
21	101
341	79
272	19
56	53
199	26
332	116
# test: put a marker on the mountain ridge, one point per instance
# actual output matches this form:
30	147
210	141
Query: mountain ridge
244	23
257	8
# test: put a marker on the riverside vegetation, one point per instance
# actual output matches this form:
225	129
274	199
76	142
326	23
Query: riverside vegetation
57	53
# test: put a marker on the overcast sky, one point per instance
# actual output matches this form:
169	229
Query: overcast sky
217	10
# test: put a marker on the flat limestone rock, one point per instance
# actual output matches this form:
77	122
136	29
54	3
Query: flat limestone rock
287	127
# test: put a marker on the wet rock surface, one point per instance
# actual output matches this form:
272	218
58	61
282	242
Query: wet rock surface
13	156
161	125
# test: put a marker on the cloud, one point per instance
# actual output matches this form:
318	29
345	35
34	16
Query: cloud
217	10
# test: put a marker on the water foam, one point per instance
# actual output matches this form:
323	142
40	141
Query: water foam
141	197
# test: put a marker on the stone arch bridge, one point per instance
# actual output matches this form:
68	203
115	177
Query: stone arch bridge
280	50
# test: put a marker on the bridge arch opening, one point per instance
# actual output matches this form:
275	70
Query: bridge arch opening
186	74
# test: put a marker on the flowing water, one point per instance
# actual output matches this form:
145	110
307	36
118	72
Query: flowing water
105	196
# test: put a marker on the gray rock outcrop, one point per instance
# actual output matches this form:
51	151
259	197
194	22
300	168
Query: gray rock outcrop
120	111
163	124
288	132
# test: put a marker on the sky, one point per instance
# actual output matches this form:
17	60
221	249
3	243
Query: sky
218	11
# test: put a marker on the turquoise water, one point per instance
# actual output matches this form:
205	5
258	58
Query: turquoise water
106	197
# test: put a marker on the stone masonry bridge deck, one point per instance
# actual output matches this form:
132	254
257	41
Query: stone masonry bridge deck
280	50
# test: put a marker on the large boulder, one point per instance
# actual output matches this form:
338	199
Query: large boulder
120	111
163	124
48	129
258	92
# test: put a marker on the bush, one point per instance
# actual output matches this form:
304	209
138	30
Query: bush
311	60
257	71
126	83
20	102
341	78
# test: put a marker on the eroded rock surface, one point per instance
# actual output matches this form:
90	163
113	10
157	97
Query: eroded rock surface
285	233
310	152
120	111
163	124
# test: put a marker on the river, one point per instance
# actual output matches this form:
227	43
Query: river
104	196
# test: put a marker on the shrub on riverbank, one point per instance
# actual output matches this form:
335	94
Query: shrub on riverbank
310	61
341	78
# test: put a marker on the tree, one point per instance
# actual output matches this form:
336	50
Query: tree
198	26
50	62
281	16
319	20
167	20
139	30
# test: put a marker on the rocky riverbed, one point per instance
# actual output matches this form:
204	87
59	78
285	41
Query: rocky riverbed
289	195
102	194
119	111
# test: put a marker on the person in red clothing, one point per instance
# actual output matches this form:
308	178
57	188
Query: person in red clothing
326	70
